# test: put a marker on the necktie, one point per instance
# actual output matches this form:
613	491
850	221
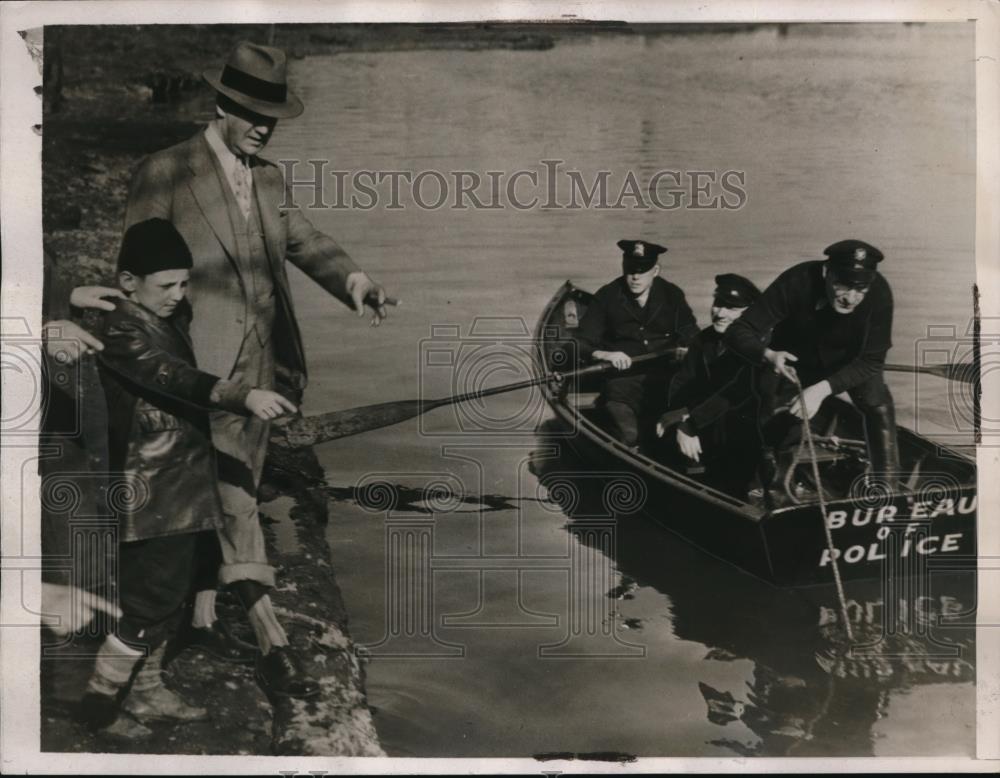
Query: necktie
244	185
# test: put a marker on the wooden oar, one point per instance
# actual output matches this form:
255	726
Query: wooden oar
310	430
960	371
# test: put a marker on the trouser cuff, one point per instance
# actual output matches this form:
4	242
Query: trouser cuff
247	571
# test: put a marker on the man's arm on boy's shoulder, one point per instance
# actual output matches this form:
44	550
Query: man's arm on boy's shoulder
130	353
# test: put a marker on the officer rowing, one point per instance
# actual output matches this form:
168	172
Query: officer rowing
639	312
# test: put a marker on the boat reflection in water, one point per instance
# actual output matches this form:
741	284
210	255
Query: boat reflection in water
811	692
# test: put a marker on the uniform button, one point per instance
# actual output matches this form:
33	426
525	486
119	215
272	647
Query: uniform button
645	343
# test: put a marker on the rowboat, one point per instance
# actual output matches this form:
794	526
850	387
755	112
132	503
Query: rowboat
926	525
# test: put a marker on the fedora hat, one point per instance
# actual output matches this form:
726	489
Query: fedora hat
255	77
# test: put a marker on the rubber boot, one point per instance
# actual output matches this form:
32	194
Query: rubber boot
150	700
883	445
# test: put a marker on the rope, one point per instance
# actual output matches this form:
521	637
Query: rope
807	434
790	472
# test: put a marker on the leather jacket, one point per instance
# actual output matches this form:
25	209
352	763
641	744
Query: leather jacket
160	447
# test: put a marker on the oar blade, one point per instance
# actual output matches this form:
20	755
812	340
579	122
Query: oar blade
961	371
311	430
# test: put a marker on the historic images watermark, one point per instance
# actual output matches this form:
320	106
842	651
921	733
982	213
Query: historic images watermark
53	433
952	360
548	186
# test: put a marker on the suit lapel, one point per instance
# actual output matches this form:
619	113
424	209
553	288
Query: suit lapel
207	190
270	216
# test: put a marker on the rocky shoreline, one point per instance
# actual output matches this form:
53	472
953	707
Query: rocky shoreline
104	117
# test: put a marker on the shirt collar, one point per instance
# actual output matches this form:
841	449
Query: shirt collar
218	145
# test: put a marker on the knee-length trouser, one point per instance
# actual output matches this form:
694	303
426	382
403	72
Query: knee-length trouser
155	577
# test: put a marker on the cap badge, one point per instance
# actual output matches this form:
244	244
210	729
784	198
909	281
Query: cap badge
639	250
860	255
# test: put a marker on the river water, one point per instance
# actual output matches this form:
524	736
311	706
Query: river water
840	131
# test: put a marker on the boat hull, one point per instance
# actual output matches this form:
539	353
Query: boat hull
927	529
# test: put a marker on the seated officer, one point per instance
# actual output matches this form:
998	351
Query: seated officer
712	397
830	324
637	313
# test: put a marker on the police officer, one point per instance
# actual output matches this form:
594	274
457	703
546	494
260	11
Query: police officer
711	396
828	323
637	313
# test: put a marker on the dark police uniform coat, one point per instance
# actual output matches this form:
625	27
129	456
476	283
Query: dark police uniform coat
711	382
615	322
793	314
159	436
715	386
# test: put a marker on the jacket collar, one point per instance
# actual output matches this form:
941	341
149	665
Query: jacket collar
653	303
165	327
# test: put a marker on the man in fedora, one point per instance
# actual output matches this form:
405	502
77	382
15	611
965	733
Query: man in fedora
232	209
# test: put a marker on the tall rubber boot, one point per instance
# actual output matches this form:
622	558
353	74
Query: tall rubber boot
883	444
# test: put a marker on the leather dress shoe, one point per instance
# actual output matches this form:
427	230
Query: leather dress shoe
161	704
219	642
280	674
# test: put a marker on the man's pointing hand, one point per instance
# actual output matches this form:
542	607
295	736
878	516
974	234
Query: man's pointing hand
365	291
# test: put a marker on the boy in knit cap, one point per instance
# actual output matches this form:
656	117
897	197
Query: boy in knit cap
161	453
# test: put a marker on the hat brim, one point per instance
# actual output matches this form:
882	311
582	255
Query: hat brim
728	302
858	278
289	109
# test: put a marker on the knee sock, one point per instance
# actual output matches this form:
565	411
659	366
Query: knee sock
204	609
265	625
114	666
150	673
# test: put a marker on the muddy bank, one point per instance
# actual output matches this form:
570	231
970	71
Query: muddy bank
107	115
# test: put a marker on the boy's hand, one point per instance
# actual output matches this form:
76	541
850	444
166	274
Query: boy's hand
268	405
